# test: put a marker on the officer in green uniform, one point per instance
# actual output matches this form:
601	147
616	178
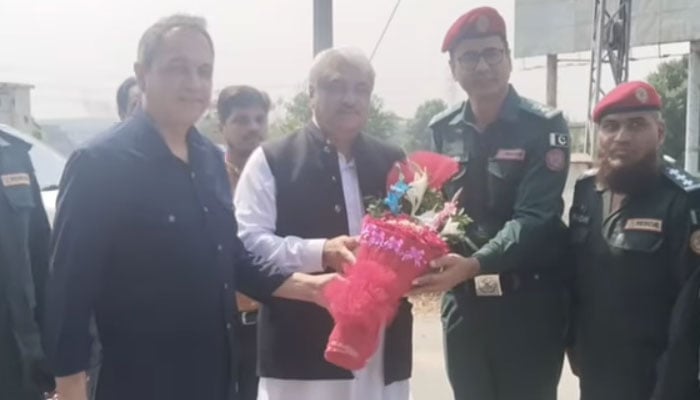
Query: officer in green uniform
24	244
635	234
504	315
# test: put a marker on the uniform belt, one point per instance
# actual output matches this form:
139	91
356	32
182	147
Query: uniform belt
248	317
494	285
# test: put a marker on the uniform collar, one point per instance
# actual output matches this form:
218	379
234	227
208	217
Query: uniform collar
509	109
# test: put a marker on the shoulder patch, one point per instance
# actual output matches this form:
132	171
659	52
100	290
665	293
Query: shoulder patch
538	109
557	139
447	114
683	179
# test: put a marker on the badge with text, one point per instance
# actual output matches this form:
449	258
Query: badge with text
19	179
488	285
559	140
555	159
510	154
644	224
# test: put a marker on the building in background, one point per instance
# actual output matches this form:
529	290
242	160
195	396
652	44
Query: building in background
15	107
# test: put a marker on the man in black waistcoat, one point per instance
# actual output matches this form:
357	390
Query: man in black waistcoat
299	202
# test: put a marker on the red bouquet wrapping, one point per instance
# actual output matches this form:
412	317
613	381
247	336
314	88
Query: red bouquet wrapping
397	244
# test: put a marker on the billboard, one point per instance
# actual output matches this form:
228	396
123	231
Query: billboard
566	26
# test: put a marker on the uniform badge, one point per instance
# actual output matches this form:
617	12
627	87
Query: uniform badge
558	140
483	24
695	242
642	95
488	285
644	224
555	159
510	154
18	179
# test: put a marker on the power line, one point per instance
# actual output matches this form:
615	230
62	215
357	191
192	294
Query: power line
386	27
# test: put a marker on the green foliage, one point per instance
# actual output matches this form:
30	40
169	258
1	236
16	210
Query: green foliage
417	135
671	81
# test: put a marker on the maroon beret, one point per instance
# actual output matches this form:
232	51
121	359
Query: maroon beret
627	97
479	22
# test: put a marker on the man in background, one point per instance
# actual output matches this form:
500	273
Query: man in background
242	114
128	98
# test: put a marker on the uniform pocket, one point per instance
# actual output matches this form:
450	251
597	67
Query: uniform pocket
20	197
638	241
501	180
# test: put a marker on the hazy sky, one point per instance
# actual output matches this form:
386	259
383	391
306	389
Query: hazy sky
76	52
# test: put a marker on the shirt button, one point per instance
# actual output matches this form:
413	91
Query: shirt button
225	286
537	277
206	210
228	326
326	149
219	248
338	208
193	175
171	218
334	179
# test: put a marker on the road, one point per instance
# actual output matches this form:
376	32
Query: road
429	380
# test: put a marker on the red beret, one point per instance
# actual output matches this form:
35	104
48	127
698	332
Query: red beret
627	97
479	22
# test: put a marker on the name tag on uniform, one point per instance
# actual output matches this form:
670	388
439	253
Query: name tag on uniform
510	154
488	285
19	179
644	224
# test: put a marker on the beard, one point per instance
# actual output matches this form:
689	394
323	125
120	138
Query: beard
630	179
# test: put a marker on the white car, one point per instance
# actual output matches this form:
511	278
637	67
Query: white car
48	166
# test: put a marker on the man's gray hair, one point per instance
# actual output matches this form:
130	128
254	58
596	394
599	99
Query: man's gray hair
153	37
330	58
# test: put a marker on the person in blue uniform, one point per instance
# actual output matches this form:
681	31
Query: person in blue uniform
145	240
24	263
635	239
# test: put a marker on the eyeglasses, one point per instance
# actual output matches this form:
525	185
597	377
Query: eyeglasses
492	56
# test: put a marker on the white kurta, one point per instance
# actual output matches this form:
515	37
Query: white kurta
256	212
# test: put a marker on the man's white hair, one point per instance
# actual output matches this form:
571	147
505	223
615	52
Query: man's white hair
334	57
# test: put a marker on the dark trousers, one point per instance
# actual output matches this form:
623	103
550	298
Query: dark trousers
505	348
247	374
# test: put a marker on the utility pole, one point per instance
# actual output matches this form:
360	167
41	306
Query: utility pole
610	45
323	25
692	122
552	79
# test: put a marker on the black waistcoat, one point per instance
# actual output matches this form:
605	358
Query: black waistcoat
310	204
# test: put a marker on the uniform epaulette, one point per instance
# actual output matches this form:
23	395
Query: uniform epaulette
7	139
588	174
683	179
539	109
446	115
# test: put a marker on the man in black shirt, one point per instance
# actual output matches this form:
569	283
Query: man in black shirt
146	241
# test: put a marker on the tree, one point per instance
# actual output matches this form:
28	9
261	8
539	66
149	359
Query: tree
381	123
671	81
417	136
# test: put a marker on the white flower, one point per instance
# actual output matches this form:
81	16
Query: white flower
451	228
427	218
417	189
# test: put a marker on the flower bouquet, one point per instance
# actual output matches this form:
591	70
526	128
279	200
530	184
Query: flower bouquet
401	235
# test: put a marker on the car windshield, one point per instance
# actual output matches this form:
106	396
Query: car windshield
48	164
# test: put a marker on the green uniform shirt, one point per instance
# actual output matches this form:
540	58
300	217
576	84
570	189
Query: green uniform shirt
512	181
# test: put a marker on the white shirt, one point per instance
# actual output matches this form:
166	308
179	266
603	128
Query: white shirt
256	212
